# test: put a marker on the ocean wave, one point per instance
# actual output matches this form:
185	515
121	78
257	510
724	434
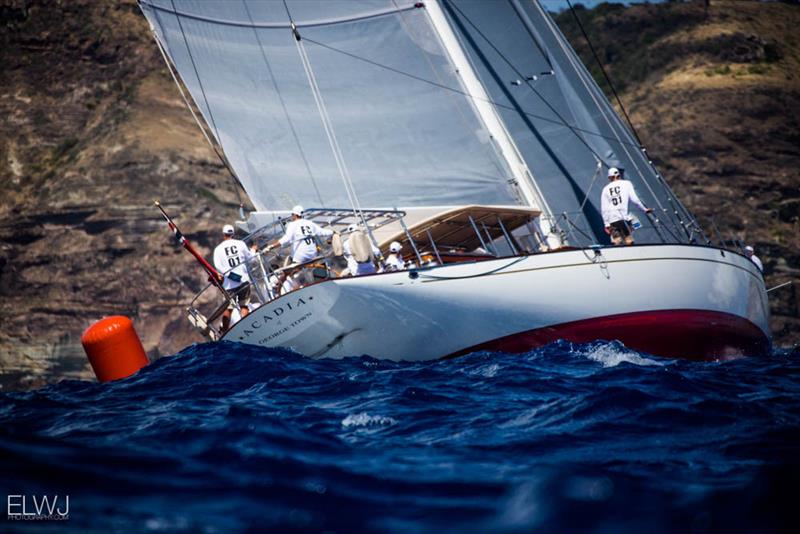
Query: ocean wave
364	419
614	353
568	437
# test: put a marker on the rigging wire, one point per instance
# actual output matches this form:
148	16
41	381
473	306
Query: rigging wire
605	74
283	105
210	114
530	85
326	121
597	170
642	153
602	105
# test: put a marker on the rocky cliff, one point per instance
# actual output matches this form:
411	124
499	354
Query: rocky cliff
92	130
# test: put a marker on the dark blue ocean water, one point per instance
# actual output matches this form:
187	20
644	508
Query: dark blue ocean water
223	438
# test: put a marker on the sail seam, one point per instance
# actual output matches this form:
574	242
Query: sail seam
448	88
326	122
492	152
285	110
282	25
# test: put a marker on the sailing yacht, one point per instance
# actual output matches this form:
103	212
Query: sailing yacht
470	133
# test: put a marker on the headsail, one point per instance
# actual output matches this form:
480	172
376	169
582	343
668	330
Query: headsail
559	118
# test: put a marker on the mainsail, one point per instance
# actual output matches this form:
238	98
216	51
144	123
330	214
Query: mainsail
381	71
406	127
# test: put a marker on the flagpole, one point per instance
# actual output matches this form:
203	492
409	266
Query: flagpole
213	274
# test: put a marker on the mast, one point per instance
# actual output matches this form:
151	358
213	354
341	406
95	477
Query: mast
491	119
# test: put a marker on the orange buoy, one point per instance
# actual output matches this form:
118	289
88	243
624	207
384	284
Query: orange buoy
113	348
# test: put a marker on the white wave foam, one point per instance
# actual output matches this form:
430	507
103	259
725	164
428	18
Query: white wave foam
487	371
612	354
365	419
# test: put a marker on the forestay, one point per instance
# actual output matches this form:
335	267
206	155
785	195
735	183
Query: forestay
558	117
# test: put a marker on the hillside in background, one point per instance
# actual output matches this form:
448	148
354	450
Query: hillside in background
92	130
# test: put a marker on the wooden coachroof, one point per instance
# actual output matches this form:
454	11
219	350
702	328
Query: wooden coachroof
452	228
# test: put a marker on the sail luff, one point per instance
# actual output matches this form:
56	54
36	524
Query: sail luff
488	113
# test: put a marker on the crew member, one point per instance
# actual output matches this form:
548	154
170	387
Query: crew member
229	259
614	206
395	262
301	232
750	253
356	267
280	284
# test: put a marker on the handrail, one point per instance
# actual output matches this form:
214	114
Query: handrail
263	271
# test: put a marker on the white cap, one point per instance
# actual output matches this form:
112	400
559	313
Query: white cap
748	248
297	210
613	172
227	229
395	247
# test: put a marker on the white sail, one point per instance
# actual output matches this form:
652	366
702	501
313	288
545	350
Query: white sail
404	124
408	133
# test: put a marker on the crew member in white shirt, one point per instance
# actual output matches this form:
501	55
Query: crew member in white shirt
300	233
614	207
280	284
229	259
750	253
358	268
395	262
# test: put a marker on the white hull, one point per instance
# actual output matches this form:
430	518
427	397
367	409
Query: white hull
636	294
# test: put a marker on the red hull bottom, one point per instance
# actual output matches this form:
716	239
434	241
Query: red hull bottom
687	334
